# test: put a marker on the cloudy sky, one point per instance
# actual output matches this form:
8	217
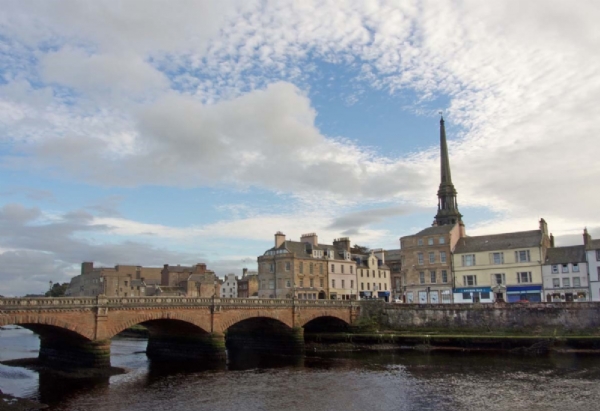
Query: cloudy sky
146	132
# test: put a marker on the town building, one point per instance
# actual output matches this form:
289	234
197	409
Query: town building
565	274
306	269
426	271
191	281
592	250
393	259
117	281
248	284
229	287
500	267
373	276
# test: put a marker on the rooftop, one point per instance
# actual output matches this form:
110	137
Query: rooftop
506	241
564	255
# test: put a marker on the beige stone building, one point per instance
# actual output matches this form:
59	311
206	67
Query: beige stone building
426	264
501	267
373	276
306	269
191	281
248	284
393	259
117	281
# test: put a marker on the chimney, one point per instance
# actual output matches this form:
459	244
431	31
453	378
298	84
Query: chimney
279	239
200	268
342	244
551	241
544	226
587	238
244	272
310	238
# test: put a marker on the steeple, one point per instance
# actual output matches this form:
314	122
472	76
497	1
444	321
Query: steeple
447	206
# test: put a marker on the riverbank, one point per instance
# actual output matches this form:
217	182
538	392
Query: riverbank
35	364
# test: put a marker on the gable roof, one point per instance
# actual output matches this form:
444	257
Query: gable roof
506	241
301	249
564	255
438	229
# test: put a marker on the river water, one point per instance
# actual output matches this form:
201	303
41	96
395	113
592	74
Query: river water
351	382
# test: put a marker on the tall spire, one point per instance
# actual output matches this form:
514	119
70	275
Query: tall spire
447	205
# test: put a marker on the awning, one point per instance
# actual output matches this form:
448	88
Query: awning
472	290
383	293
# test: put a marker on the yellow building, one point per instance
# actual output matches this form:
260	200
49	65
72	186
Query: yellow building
501	267
373	276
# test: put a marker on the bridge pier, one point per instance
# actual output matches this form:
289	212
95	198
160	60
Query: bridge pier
63	353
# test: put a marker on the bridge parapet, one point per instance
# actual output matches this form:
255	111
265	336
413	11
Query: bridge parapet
48	302
166	301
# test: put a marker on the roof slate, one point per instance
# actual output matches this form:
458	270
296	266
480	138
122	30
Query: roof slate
506	241
594	245
564	255
439	229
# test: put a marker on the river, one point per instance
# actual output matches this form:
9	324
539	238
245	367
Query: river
402	380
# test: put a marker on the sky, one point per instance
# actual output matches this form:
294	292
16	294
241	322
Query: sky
153	132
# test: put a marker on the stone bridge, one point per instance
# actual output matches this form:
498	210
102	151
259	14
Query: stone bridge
76	331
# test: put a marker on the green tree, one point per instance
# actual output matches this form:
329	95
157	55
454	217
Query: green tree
359	249
57	290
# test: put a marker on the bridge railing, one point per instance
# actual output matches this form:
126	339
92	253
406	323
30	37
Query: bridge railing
48	301
165	301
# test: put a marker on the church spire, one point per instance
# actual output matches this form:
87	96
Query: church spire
447	205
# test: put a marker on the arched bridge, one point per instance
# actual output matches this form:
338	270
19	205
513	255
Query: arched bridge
77	330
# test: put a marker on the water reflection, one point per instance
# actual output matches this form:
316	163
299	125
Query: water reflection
406	381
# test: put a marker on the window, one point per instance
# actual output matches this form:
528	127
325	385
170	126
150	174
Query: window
333	268
522	256
524	277
442	256
310	268
312	283
431	258
564	268
576	282
466	296
332	283
301	267
575	267
368	286
469	280
271	284
420	241
554	268
263	284
125	283
422	277
288	266
497	258
361	273
271	267
367	273
597	255
351	283
566	282
420	258
379	273
444	276
384	275
468	260
343	283
430	241
342	267
301	282
498	279
288	283
556	282
351	270
433	277
362	286
442	240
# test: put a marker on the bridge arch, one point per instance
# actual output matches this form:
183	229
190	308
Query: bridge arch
310	317
45	324
202	323
234	317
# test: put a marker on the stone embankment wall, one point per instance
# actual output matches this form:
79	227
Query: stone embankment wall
534	319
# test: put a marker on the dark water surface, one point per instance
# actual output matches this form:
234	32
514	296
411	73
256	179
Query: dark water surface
358	382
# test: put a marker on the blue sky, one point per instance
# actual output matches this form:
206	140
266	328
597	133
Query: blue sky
142	133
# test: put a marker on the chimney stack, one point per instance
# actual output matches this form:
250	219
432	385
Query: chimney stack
342	244
310	238
587	238
279	239
543	226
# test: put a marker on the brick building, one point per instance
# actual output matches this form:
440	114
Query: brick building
248	284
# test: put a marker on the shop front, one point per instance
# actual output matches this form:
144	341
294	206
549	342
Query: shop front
469	295
529	293
384	295
567	296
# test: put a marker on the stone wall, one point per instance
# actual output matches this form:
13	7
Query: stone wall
540	318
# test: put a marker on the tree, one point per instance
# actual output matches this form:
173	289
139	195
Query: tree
57	290
359	249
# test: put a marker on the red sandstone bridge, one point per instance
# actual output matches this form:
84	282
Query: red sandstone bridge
77	330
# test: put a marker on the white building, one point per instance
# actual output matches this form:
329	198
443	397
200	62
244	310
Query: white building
565	275
592	249
229	286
